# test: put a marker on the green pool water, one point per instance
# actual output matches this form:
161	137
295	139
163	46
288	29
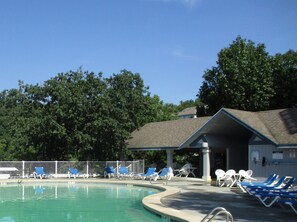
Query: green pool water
75	202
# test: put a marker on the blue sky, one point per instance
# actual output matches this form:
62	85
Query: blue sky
169	42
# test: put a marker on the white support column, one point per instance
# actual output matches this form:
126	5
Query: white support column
169	158
206	163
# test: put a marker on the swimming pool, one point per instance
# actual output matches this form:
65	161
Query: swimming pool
75	202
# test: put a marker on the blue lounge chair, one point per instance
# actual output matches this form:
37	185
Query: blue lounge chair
269	198
150	172
269	195
282	184
292	202
124	172
269	181
165	174
109	171
73	172
39	172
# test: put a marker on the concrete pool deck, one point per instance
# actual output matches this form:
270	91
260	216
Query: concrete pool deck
192	199
198	199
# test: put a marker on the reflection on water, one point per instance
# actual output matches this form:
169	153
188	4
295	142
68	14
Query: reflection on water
74	202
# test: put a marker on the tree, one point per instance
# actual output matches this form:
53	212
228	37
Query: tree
285	80
68	106
242	78
126	97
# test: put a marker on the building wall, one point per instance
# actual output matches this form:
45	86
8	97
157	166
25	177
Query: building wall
265	159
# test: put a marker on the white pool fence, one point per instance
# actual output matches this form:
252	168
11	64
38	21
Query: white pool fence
59	169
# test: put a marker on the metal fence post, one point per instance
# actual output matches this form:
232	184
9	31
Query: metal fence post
23	170
143	168
87	169
56	168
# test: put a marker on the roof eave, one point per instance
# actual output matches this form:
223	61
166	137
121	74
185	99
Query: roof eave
152	148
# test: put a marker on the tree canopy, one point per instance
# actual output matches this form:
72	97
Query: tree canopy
76	116
246	77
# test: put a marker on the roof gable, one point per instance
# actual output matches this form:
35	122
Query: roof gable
279	126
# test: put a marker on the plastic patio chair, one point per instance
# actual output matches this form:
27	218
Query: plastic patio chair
221	174
229	178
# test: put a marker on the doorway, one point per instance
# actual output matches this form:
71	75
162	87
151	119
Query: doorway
218	161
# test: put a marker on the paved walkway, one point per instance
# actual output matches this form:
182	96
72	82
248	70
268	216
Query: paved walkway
198	199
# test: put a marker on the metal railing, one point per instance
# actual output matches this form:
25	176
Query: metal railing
218	211
25	169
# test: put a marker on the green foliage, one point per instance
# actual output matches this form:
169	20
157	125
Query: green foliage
159	111
242	78
285	80
75	116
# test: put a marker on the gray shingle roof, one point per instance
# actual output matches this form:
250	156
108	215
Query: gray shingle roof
167	134
282	124
279	126
188	111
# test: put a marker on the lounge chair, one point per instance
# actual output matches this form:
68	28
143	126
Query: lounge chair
109	171
124	172
292	202
149	173
282	184
184	171
165	174
73	172
268	181
269	198
39	172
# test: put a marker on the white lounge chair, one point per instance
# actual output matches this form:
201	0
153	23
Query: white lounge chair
184	171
